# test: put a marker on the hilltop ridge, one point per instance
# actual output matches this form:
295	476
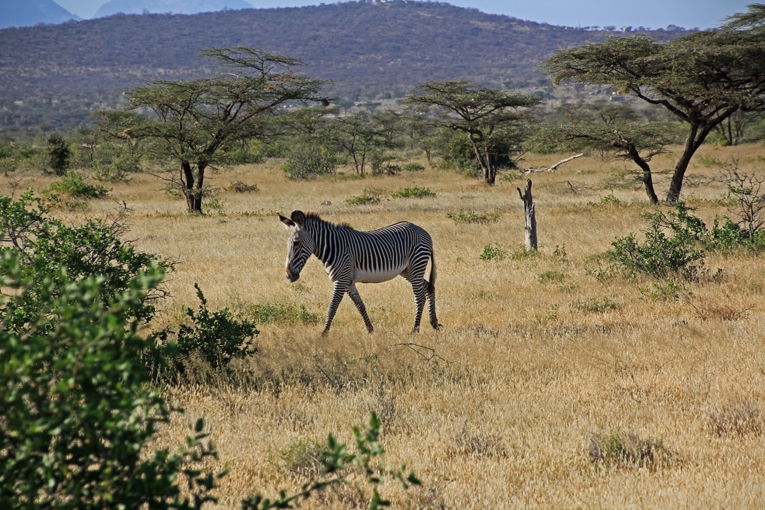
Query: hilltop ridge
367	49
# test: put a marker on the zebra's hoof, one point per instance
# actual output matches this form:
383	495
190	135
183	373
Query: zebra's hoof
325	332
438	327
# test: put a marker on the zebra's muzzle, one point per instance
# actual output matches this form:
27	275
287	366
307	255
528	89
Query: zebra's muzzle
292	277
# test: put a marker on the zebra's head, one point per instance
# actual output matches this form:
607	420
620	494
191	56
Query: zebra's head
299	244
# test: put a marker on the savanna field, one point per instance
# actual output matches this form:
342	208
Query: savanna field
545	361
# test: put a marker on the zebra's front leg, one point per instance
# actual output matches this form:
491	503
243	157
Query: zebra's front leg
356	297
337	296
420	292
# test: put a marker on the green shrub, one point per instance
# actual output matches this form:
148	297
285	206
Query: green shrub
493	252
305	161
473	217
661	253
59	154
45	246
368	196
216	337
78	417
413	192
73	185
413	167
282	313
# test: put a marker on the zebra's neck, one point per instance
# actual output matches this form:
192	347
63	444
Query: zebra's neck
326	239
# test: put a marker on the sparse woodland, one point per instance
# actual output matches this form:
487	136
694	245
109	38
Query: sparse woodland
615	360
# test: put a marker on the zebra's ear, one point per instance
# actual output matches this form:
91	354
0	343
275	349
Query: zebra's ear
298	217
287	222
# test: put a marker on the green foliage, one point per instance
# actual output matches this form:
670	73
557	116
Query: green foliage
59	154
551	277
368	196
302	457
595	305
413	192
413	167
337	465
473	217
217	337
663	253
78	417
282	313
606	201
46	247
493	252
74	185
305	161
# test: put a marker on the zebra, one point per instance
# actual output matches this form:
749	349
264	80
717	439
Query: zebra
352	256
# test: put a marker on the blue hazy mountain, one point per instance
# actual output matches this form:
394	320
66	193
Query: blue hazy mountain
174	6
28	13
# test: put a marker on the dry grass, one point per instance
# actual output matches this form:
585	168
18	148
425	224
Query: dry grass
497	410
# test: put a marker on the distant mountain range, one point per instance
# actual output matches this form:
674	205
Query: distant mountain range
174	6
58	73
27	13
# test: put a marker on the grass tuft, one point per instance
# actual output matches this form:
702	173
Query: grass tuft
616	449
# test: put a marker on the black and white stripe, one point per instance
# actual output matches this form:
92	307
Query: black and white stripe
351	256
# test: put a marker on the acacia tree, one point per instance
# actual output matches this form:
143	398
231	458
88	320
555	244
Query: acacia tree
702	78
194	122
614	131
479	113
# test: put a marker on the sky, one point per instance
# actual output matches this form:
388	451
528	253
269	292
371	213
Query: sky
573	13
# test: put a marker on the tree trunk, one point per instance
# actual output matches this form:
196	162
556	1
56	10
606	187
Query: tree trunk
192	190
647	178
488	171
699	131
531	221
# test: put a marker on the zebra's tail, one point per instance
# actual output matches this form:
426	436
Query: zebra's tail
432	282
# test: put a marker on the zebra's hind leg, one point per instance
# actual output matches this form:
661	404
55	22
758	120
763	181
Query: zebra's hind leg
419	287
432	307
356	298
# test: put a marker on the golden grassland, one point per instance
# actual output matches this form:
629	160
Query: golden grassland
537	358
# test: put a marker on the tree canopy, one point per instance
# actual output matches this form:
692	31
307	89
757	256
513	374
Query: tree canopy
193	123
479	113
702	78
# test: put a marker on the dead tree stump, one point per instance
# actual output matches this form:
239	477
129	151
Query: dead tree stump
531	221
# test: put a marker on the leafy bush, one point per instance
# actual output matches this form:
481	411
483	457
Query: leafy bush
78	418
473	217
413	192
368	196
305	161
73	185
59	154
493	252
413	167
217	337
662	254
45	246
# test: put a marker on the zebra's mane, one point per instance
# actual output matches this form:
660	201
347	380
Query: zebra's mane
315	217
